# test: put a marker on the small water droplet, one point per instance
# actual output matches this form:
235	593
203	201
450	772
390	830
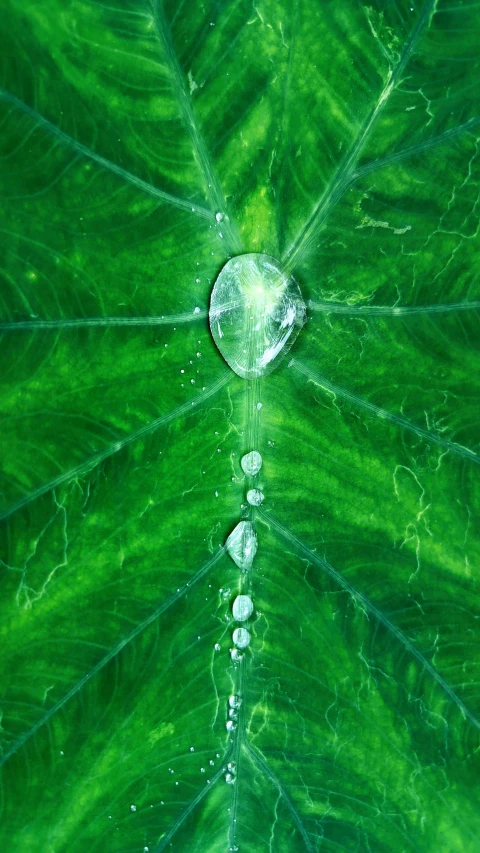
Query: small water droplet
259	406
196	310
133	808
231	767
219	217
251	463
229	778
234	701
192	749
217	647
230	726
235	655
242	608
242	545
255	497
211	762
241	638
202	769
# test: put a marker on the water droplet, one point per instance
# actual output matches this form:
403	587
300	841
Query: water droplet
217	647
234	701
235	655
231	767
259	406
255	301
241	638
196	310
242	545
251	463
232	713
229	778
133	808
202	769
242	608
192	749
255	497
219	217
230	726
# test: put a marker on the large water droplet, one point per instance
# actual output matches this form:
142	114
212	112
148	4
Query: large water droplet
251	463
242	608
255	497
256	312
241	638
242	545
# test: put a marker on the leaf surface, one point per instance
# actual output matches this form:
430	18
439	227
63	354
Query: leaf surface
144	144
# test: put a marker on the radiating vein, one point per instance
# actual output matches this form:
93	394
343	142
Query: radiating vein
397	156
260	762
344	173
370	608
146	187
95	322
97	458
189	809
139	629
393	310
386	415
202	156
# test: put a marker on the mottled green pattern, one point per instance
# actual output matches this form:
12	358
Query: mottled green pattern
341	138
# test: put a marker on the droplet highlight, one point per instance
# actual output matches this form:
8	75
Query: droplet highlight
242	608
251	463
241	638
256	313
242	544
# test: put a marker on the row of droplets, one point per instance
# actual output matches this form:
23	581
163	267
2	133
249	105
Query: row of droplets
241	546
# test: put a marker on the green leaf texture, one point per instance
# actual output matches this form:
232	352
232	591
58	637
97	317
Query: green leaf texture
342	139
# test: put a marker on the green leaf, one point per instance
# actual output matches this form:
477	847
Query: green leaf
342	139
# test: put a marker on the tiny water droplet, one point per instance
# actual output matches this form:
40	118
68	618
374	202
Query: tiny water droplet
242	545
229	778
242	608
235	655
133	808
241	638
234	701
196	310
219	217
255	497
231	767
192	749
230	726
251	463
217	647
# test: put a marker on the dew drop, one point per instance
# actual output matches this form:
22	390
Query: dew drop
255	301
235	655
255	497
234	701
217	647
230	726
241	638
133	808
242	608
251	463
229	778
242	545
196	310
231	767
219	217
